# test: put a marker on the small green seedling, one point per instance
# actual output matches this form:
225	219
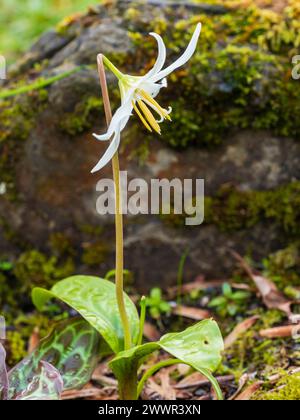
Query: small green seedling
6	266
156	304
230	303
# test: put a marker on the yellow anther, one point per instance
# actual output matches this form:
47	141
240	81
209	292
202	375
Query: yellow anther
141	116
149	117
156	105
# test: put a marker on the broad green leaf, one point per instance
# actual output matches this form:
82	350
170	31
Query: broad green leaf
200	345
46	384
3	375
73	347
95	299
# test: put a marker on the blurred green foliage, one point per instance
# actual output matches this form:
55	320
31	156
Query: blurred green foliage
230	302
23	21
156	304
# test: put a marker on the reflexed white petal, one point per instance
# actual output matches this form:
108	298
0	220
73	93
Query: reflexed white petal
164	83
121	115
127	94
161	57
109	154
152	88
181	60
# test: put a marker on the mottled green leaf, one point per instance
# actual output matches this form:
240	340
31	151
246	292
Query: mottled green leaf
73	347
199	346
46	384
3	375
95	299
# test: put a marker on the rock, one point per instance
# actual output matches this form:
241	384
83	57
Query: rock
50	175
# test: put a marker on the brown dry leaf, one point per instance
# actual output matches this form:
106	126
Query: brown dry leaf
152	390
105	380
239	329
249	391
81	393
192	380
282	331
183	394
151	332
198	284
242	286
160	386
242	382
206	397
168	390
272	297
102	376
183	369
196	380
191	312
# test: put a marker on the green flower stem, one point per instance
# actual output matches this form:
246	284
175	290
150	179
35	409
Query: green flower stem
142	320
180	275
128	385
118	215
112	68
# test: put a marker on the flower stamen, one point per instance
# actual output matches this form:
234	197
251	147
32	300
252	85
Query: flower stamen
141	116
156	106
149	116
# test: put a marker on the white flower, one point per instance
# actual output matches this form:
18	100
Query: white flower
138	93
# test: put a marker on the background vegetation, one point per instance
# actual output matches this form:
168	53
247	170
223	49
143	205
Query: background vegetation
23	21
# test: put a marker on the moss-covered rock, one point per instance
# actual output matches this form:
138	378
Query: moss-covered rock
17	118
232	210
33	268
234	123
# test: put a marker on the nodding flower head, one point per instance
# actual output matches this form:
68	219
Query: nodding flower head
138	94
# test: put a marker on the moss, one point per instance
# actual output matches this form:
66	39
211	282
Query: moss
7	291
11	235
283	268
254	353
16	347
34	268
17	117
287	388
61	245
82	117
239	77
90	230
232	210
94	254
22	329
